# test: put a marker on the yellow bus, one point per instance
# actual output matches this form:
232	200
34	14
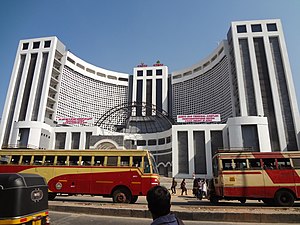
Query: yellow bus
121	174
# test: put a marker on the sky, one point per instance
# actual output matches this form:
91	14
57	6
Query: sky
118	35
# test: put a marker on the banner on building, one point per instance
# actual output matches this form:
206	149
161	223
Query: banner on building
199	118
73	121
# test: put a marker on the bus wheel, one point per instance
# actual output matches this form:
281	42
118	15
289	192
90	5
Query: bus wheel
284	198
134	199
51	196
121	196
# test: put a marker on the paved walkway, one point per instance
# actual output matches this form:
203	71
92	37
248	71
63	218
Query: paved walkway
186	207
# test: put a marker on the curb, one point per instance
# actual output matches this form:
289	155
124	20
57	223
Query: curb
194	216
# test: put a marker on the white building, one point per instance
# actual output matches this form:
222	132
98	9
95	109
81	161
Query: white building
57	100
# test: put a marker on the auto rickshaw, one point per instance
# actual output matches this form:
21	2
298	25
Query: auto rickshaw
23	199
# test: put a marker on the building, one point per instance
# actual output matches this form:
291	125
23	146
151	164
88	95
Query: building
240	96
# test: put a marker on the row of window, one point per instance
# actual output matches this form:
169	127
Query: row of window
49	160
94	72
36	45
269	163
149	72
256	28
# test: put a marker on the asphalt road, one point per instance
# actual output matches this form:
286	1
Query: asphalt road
58	218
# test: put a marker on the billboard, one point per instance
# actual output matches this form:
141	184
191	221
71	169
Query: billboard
73	121
199	118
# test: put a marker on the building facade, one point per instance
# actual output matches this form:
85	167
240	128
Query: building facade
56	100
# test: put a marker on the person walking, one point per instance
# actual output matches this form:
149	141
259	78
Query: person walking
173	186
183	187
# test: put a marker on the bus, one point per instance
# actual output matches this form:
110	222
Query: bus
121	174
270	177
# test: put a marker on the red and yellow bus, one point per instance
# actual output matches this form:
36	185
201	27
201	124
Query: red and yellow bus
121	174
272	177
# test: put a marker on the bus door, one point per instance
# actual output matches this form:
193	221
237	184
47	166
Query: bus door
136	177
256	179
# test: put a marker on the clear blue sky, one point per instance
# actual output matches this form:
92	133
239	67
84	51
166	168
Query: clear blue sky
119	34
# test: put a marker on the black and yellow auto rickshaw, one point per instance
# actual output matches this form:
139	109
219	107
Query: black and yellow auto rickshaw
23	199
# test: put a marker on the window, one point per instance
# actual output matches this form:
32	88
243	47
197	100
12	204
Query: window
112	160
47	44
137	161
25	46
227	164
254	164
269	164
161	141
140	72
149	72
15	159
284	163
146	165
61	160
168	139
99	161
256	28
86	160
49	160
38	160
73	160
141	143
159	72
241	28
36	45
240	164
152	142
125	160
296	163
272	27
26	159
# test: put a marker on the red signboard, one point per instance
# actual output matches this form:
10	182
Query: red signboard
198	118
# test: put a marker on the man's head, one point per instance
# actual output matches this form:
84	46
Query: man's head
159	201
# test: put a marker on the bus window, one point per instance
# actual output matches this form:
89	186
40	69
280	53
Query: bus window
254	164
38	160
15	159
99	161
49	160
112	160
61	160
154	166
146	165
137	161
269	164
296	163
125	160
4	159
227	164
86	160
284	163
240	164
26	159
73	160
215	167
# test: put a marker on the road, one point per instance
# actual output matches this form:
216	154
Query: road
58	218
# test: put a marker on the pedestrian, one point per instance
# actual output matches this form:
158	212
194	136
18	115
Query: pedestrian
204	189
200	189
173	186
183	187
159	204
